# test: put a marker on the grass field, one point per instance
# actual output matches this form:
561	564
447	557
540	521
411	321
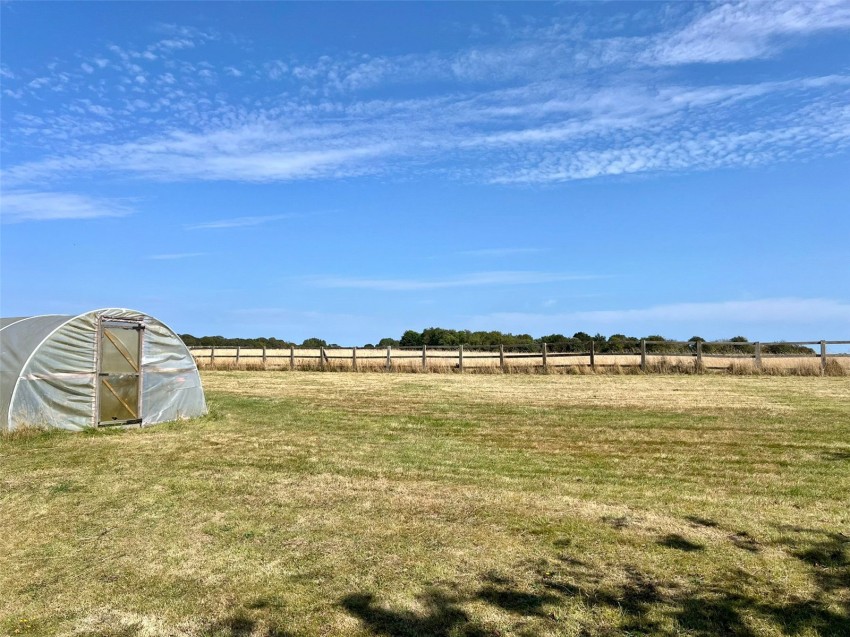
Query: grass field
429	504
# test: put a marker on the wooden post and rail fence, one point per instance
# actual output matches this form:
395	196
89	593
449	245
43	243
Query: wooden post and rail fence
460	357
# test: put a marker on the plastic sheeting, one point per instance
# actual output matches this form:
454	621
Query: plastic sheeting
49	371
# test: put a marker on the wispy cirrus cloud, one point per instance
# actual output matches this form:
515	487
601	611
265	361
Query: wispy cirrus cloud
175	256
289	321
707	33
528	107
533	135
700	152
767	311
237	222
475	279
285	313
17	206
499	252
616	110
747	30
254	153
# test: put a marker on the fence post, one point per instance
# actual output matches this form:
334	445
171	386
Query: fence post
460	359
545	361
322	358
823	357
699	356
758	356
291	357
502	357
593	355
354	358
212	356
643	355
237	356
389	357
424	356
264	357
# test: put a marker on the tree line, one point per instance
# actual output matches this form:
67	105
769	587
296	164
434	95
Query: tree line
578	342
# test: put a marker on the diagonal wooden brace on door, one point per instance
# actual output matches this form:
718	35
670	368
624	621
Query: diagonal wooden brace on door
122	350
121	400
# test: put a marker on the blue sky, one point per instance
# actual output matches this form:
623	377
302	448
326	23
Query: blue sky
350	171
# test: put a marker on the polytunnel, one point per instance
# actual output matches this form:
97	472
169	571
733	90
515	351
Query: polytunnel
106	367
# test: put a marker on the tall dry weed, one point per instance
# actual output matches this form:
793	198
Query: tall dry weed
655	365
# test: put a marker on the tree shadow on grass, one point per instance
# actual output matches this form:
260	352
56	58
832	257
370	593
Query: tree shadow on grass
241	625
442	617
633	599
680	543
636	601
700	521
502	592
234	624
745	541
827	555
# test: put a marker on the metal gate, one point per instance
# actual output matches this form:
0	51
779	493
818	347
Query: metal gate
119	390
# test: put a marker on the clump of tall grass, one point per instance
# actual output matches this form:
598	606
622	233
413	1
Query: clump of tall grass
223	366
29	432
655	365
807	368
834	368
664	365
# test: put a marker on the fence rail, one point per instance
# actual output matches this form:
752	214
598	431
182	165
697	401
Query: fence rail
648	354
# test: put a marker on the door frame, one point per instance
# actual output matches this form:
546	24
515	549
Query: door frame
120	323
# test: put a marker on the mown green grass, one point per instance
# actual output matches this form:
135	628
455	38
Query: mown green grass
372	504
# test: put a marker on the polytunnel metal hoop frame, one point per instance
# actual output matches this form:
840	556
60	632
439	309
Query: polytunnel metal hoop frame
30	357
47	361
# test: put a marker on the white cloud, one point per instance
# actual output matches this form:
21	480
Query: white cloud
276	69
754	311
475	279
174	43
499	252
703	151
118	51
188	32
544	117
539	133
258	153
38	82
712	33
747	30
18	206
175	256
237	222
759	312
624	108
288	313
96	109
297	324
